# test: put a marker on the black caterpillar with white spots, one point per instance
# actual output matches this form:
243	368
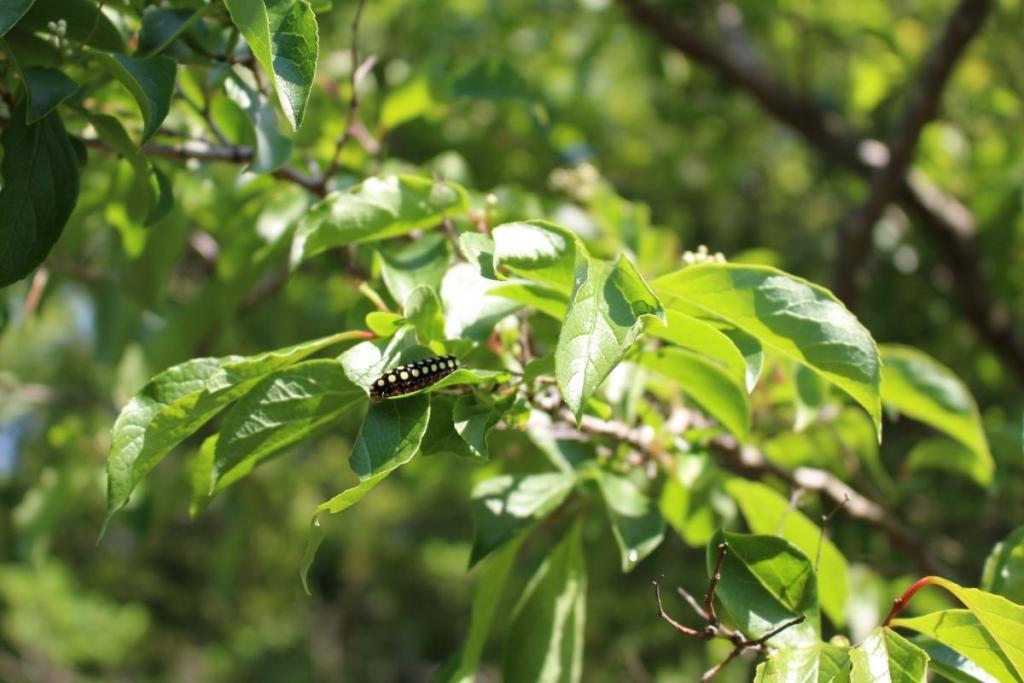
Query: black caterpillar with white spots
412	376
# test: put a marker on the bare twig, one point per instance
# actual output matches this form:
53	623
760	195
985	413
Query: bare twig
944	219
853	239
358	72
825	519
709	597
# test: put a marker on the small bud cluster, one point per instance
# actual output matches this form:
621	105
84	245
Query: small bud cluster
59	30
702	255
580	183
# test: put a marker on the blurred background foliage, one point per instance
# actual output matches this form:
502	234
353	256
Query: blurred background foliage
559	109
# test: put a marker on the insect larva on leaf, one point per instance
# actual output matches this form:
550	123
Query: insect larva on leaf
408	378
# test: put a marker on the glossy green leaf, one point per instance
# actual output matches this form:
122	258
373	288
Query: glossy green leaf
887	656
11	12
479	252
769	512
422	309
537	250
271	149
294	46
1004	568
1000	617
765	583
821	663
46	89
161	27
505	506
950	664
752	351
283	408
390	435
40	172
952	456
697	335
470	310
539	297
811	393
376	209
544	641
786	314
366	361
250	18
85	22
716	390
474	418
921	388
607	312
384	324
961	631
490	586
150	80
637	524
423	261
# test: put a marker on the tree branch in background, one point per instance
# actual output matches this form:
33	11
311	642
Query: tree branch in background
943	218
359	72
853	239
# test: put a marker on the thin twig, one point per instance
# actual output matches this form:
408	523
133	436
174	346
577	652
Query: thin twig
357	72
825	519
709	597
685	630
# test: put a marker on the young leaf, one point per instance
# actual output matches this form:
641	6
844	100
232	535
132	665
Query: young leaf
390	435
800	320
961	631
40	172
46	89
887	656
421	262
945	454
1004	568
998	615
919	387
471	311
607	312
376	209
538	251
697	335
294	45
490	586
765	583
149	80
637	525
712	387
768	512
545	637
281	409
505	506
820	663
422	308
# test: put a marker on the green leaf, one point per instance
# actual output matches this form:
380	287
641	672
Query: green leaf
40	172
697	335
164	196
753	353
538	251
376	209
712	387
294	45
998	615
200	469
271	149
950	664
86	23
505	506
765	583
637	525
11	12
441	437
422	308
544	641
607	312
390	435
769	512
811	393
961	631
463	376
384	323
421	262
251	20
471	311
473	419
161	27
408	101
150	81
365	362
280	410
494	576
1004	568
479	251
46	89
887	656
921	388
820	663
539	297
791	316
943	454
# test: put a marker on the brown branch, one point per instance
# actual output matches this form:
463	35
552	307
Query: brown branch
944	219
853	238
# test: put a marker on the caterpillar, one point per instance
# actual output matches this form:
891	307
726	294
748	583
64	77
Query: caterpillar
412	376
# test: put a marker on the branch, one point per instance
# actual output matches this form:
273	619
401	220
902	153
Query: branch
359	71
948	222
853	239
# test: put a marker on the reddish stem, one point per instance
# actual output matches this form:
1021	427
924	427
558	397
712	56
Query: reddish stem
899	603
